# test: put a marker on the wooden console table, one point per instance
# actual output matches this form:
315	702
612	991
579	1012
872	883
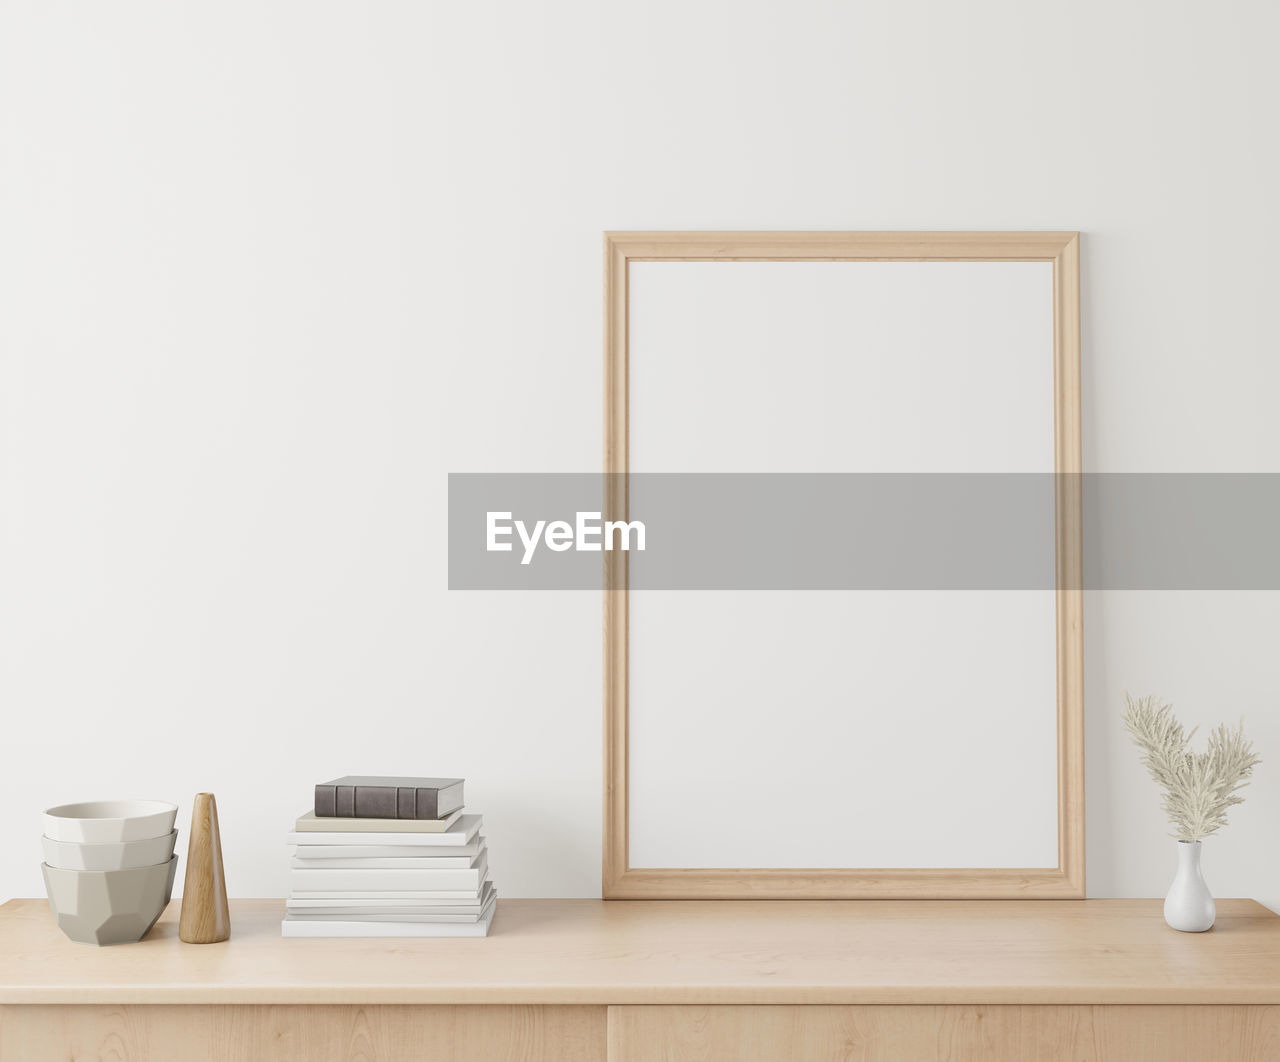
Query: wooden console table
579	980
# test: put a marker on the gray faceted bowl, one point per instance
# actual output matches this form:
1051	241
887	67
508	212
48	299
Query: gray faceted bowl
109	906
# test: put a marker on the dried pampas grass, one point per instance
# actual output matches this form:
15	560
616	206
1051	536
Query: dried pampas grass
1198	787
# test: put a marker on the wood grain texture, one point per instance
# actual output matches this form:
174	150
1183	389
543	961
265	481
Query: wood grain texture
839	246
619	879
36	1033
616	506
946	1034
205	918
680	952
816	883
1069	555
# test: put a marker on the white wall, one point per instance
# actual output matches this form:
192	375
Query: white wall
268	271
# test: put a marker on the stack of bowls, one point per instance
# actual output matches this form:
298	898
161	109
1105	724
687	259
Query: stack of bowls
109	867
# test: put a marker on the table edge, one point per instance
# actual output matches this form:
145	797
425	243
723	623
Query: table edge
647	995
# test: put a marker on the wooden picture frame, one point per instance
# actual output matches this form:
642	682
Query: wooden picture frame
1066	880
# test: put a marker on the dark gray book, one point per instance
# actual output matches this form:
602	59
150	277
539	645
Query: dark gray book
360	796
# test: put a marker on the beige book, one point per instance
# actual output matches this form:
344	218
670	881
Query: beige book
309	822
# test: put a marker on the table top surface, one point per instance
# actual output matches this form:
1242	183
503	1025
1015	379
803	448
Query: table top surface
700	951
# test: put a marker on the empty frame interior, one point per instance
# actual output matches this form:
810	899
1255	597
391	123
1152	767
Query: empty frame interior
817	743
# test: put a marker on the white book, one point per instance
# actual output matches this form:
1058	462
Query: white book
307	927
387	851
460	833
383	916
453	862
364	895
341	908
406	914
394	880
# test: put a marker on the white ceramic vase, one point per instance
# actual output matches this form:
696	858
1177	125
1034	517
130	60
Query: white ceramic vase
1189	907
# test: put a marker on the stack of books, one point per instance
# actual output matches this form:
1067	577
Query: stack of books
389	857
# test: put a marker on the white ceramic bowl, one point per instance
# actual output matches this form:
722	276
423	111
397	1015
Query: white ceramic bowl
110	821
109	906
127	855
